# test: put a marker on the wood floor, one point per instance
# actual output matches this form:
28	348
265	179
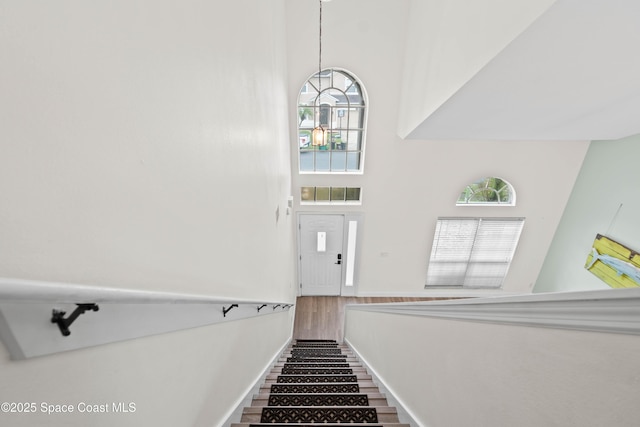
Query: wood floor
323	317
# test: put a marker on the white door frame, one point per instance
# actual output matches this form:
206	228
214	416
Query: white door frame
351	244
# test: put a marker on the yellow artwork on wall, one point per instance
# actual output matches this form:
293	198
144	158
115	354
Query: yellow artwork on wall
615	264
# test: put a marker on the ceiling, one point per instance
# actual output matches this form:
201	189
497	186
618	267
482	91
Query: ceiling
573	74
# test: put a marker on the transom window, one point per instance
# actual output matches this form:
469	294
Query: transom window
332	195
472	252
334	101
490	191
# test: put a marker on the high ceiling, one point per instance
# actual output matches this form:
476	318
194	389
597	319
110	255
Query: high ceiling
573	74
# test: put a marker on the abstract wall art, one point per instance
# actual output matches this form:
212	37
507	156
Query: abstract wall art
615	264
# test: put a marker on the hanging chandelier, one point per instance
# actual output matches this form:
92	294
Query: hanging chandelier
319	134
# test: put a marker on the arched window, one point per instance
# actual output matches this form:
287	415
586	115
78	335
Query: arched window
333	101
489	191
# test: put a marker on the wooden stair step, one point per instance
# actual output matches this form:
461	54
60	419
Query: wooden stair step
313	414
319	399
316	351
333	350
263	394
318	359
276	399
316	425
319	370
314	388
313	371
361	387
316	365
304	414
313	365
288	379
315	345
310	356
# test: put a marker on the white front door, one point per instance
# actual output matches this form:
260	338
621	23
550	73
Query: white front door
321	254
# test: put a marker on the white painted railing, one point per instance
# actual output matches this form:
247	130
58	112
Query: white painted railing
615	310
26	311
20	290
531	360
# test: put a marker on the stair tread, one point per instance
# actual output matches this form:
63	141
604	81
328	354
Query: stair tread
321	388
370	395
314	414
316	425
380	409
366	383
273	375
362	385
283	378
319	399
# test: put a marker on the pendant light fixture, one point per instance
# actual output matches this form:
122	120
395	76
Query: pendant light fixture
319	134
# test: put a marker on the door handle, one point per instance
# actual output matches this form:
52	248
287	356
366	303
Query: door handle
339	261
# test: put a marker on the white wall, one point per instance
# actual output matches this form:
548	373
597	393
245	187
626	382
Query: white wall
140	139
145	146
448	42
604	201
189	378
423	182
451	373
408	184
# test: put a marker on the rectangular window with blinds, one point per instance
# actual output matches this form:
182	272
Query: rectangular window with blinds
472	252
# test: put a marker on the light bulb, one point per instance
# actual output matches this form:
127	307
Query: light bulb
318	136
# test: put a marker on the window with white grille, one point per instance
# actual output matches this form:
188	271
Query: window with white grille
333	102
488	191
472	252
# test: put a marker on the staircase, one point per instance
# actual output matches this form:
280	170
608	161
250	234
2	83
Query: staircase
319	382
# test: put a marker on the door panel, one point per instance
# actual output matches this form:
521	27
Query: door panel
321	265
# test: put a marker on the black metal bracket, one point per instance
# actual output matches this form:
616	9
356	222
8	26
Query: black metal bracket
63	324
276	306
226	310
260	307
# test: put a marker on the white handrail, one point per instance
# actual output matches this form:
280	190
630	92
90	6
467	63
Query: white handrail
33	322
608	310
20	290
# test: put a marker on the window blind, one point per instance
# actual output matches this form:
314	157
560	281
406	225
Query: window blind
473	252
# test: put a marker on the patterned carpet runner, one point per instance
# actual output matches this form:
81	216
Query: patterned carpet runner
317	408
317	383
